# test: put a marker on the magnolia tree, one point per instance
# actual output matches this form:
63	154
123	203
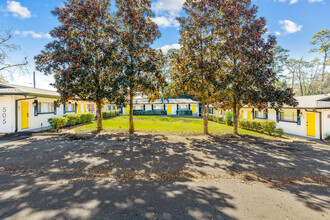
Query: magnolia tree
141	65
248	77
83	56
194	67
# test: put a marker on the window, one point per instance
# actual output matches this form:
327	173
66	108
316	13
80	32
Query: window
260	114
90	108
288	116
70	108
137	107
45	107
184	107
158	107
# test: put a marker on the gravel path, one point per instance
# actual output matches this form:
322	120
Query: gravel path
163	177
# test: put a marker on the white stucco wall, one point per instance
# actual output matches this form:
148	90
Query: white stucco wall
40	121
7	114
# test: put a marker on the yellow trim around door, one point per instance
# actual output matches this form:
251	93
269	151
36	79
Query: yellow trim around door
249	114
79	108
24	114
194	109
127	110
169	109
311	124
84	108
242	114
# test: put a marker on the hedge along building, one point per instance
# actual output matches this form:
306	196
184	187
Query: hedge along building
311	118
25	108
170	106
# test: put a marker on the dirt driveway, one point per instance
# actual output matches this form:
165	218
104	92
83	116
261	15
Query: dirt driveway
163	177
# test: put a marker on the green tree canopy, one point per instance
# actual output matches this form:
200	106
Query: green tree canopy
83	56
141	65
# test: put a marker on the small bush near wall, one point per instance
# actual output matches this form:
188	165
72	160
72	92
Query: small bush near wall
110	114
184	112
279	131
327	138
218	119
57	122
73	119
149	112
267	126
70	120
85	117
229	118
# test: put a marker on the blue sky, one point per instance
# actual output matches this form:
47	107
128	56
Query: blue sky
293	22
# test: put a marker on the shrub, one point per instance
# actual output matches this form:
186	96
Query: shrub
149	112
327	138
73	119
269	126
279	131
85	117
57	122
184	112
110	114
229	118
266	126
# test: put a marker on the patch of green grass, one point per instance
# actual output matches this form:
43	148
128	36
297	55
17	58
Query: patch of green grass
161	124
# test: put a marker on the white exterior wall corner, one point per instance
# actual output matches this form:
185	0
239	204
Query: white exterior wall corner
325	123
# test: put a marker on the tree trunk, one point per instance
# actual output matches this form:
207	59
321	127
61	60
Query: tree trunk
324	66
131	123
205	119
99	116
235	117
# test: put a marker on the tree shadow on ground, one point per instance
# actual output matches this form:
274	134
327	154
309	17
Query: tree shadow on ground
87	172
34	180
296	167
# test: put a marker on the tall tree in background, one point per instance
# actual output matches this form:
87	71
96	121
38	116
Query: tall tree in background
83	55
196	64
249	78
322	39
5	48
281	57
141	65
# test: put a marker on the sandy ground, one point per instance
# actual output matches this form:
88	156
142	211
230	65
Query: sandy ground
143	176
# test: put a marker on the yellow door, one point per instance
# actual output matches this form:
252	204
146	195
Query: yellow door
194	111
127	110
24	114
85	108
249	115
79	109
242	114
169	109
311	124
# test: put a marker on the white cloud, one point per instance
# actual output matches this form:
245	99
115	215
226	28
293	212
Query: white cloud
166	48
289	26
164	21
291	2
18	10
33	34
166	12
277	33
171	6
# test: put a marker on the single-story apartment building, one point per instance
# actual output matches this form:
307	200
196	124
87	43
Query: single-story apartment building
24	108
171	106
311	118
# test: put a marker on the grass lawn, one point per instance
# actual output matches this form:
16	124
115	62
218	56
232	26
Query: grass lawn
161	124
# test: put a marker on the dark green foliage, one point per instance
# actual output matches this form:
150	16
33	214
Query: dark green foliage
229	118
218	119
149	112
57	122
110	114
184	112
73	119
279	131
86	117
266	126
